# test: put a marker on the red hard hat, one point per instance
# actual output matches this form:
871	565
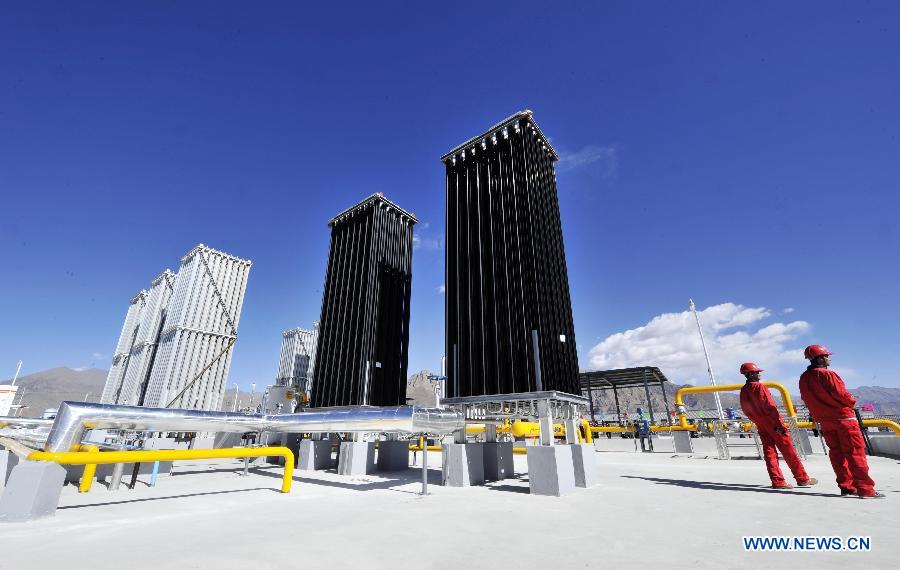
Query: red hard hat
750	367
815	350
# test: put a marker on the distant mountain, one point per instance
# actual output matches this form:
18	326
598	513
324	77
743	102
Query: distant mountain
886	400
631	398
420	390
46	389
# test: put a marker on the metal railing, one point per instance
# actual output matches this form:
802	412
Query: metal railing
93	457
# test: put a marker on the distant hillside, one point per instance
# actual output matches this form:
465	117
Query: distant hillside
420	390
886	400
46	389
631	398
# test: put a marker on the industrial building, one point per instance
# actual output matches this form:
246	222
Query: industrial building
298	357
143	351
364	327
512	390
119	365
194	354
509	325
175	345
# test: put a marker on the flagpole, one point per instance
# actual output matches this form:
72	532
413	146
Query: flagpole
712	377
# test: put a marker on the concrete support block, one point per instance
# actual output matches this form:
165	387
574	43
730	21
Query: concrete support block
816	444
802	441
8	460
584	460
227	439
393	455
463	464
356	458
885	445
683	442
314	455
551	470
32	491
498	460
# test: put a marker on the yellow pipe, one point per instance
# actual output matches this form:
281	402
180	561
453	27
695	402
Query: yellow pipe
87	478
610	429
430	448
656	429
630	429
679	397
883	423
147	456
867	423
588	436
422	444
479	428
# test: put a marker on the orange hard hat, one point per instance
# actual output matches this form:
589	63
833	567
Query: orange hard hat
750	367
815	350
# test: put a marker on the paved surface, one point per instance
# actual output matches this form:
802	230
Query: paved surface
650	510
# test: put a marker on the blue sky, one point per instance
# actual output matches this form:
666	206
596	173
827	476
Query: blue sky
745	155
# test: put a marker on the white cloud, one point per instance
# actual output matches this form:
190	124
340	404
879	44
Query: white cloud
98	356
426	243
734	334
440	289
602	158
789	310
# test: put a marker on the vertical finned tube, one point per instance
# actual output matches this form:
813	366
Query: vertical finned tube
456	393
365	398
536	344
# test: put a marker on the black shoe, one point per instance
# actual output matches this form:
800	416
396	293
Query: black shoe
847	493
877	495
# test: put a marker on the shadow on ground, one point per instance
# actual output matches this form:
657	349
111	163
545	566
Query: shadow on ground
706	485
186	495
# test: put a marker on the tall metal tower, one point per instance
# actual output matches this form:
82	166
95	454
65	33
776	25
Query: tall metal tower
364	328
143	351
190	369
119	366
298	355
508	321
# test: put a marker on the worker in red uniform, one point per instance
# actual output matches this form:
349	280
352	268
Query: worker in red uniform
758	405
831	405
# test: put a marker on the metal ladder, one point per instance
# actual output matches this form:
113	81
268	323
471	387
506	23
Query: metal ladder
723	447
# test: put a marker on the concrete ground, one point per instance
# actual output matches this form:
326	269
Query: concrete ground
650	510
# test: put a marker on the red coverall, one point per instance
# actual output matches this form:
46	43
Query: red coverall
757	403
831	405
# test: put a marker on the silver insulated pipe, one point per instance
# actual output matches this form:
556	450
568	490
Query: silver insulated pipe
74	418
